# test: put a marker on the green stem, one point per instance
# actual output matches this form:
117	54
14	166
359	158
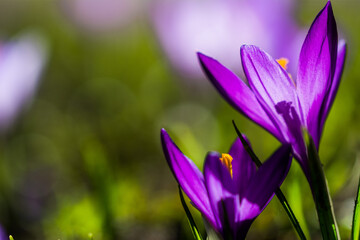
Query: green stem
320	191
355	232
278	192
191	221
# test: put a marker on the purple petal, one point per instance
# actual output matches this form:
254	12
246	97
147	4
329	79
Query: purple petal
236	92
188	176
242	165
316	66
271	85
267	179
221	190
334	86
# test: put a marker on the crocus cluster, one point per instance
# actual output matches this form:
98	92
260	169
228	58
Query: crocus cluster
274	99
231	192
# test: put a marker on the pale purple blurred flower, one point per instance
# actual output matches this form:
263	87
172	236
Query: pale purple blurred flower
220	27
21	63
100	16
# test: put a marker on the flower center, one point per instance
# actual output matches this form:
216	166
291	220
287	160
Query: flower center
226	160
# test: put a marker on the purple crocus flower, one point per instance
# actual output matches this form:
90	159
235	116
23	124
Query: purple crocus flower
230	193
277	102
21	63
220	26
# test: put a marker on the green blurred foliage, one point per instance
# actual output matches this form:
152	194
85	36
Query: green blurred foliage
85	160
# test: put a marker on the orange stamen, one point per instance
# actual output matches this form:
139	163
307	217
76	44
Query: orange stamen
283	62
226	159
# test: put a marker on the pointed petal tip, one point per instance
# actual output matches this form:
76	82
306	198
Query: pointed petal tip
199	54
342	43
167	143
202	57
243	48
248	46
248	49
205	61
329	9
213	154
163	134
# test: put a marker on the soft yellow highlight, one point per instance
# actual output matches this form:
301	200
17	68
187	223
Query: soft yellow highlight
283	62
226	159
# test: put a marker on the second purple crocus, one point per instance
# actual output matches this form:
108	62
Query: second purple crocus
231	193
274	99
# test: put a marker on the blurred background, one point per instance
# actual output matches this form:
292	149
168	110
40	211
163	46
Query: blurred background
86	86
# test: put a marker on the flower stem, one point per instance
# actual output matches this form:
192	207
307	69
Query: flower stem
320	191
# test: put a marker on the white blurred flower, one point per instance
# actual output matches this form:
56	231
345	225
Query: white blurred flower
21	63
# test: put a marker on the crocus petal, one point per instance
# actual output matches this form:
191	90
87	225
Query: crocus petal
221	191
267	179
271	85
242	166
188	176
316	66
236	92
334	86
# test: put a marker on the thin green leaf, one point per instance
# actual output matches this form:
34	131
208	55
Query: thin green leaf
278	192
191	221
355	232
320	190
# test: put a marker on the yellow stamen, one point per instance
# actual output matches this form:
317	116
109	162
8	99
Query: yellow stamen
226	159
283	62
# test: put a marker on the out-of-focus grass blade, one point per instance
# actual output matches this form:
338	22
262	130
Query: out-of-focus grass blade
192	224
355	232
278	192
211	233
91	236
